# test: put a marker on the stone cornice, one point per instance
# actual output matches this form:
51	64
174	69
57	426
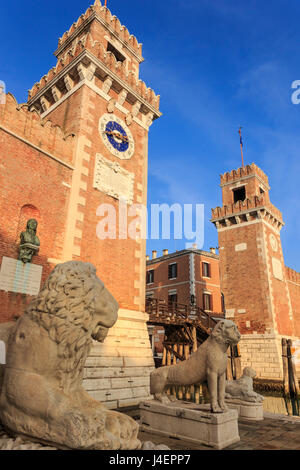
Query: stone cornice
79	29
97	90
263	213
181	253
94	60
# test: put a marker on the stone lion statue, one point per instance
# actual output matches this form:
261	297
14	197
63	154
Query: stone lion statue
208	363
41	393
242	388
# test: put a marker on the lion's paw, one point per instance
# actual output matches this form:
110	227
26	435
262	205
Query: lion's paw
216	409
172	398
124	429
223	406
162	398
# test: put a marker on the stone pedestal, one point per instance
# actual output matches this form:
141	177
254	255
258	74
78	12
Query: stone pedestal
117	372
22	278
191	422
246	409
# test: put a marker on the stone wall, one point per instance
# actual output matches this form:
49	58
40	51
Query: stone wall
262	352
117	371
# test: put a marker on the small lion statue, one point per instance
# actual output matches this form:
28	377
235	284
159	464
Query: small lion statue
242	388
208	363
41	393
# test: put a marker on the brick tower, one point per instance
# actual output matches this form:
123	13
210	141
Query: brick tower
95	93
252	270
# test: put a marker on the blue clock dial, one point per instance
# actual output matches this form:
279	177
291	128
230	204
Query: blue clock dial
117	136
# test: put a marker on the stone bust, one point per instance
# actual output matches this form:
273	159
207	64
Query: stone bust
29	242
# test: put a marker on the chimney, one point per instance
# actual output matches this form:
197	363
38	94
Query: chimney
165	252
195	246
154	254
213	251
147	257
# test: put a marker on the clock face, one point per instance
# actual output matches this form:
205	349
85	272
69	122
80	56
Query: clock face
116	136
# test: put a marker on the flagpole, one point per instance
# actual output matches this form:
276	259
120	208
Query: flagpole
241	144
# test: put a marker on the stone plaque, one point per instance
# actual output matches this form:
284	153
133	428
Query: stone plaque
16	276
241	247
112	179
277	269
230	313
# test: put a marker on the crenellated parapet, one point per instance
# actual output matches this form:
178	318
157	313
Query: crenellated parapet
111	22
292	275
247	210
21	122
243	173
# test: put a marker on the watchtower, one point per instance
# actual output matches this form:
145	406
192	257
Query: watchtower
94	92
252	270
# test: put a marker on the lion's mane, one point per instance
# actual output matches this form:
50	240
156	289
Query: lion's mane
65	308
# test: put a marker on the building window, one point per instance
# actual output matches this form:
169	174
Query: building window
207	301
172	271
172	298
206	270
150	276
239	194
117	54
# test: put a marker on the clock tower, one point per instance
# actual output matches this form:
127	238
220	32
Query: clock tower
254	279
94	92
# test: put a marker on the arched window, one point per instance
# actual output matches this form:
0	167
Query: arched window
27	212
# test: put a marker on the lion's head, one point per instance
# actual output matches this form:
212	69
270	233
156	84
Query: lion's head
74	307
249	372
226	332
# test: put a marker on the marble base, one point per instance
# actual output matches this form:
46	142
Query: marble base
190	422
246	409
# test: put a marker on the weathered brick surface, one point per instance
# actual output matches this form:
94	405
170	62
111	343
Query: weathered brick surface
293	283
31	187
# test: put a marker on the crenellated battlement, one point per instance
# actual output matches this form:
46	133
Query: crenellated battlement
292	275
87	42
236	208
242	172
111	22
259	207
18	120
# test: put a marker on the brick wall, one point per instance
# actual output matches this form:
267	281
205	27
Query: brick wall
81	116
244	278
33	185
293	283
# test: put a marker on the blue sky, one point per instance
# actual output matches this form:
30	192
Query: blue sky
217	64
